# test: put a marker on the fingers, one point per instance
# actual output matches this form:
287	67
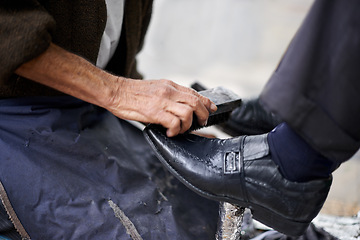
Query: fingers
197	107
200	105
184	102
176	117
160	102
210	106
171	122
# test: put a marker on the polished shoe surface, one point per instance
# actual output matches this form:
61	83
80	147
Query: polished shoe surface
250	119
240	171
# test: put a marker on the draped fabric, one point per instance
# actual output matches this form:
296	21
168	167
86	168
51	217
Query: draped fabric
72	170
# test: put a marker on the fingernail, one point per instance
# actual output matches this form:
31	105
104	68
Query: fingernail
213	107
169	133
205	122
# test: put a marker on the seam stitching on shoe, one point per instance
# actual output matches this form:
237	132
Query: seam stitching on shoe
192	156
176	172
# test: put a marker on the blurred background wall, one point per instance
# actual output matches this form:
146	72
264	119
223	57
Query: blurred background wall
236	44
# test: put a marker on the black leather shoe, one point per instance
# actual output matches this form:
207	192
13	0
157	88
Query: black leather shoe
250	119
240	171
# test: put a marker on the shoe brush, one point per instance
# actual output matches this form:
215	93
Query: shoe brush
225	100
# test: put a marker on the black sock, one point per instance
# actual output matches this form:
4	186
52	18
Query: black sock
297	161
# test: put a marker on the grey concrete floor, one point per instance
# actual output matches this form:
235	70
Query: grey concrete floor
236	44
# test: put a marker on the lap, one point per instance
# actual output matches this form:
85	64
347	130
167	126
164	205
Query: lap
67	165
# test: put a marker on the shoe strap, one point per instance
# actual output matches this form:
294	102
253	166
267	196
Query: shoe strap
251	147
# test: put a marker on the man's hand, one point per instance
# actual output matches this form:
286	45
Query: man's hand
157	101
162	102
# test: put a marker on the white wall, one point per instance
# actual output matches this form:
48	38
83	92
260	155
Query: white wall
232	43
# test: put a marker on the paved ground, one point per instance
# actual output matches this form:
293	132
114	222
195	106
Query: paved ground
236	44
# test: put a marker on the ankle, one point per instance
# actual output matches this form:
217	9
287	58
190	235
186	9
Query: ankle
296	159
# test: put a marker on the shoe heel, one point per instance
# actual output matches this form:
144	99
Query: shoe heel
281	224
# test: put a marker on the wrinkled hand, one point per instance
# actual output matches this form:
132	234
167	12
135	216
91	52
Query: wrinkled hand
160	102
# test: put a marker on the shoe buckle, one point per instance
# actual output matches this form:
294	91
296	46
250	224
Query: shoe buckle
231	162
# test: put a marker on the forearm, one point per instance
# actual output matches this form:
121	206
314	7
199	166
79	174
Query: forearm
71	74
162	102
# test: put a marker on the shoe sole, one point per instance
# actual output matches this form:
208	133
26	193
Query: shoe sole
264	215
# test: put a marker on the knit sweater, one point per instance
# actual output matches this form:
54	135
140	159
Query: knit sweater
28	26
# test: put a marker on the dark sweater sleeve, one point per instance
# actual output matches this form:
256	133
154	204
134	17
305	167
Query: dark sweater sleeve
25	32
